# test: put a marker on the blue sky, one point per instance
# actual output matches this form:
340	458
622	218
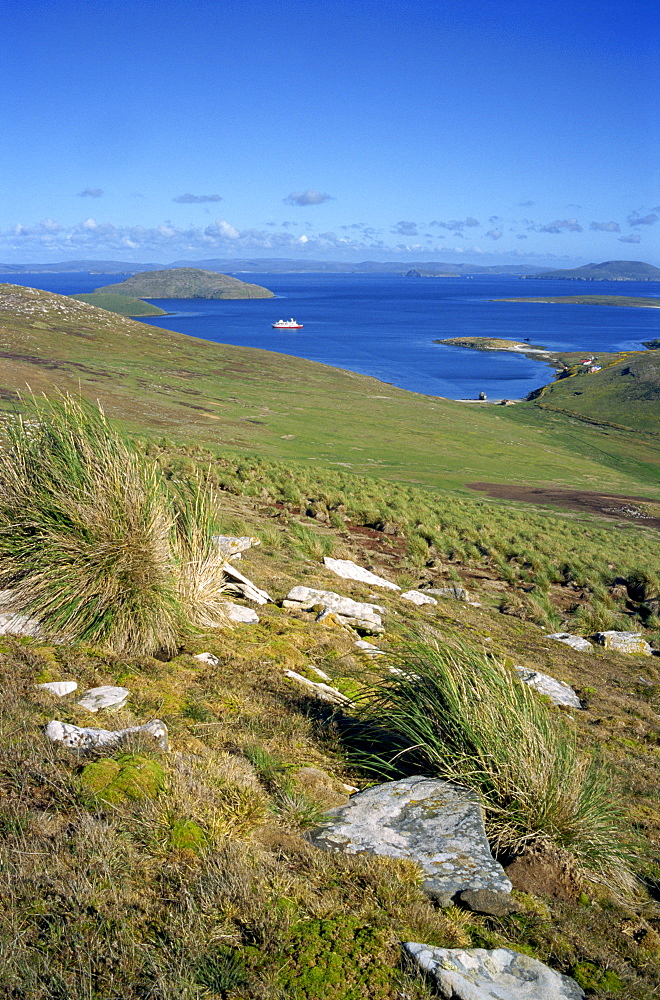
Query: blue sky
482	132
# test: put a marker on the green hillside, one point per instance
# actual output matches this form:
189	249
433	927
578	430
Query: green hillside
188	874
625	392
287	408
186	283
122	304
608	270
595	300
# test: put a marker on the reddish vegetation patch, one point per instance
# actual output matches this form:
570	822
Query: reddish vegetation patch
641	510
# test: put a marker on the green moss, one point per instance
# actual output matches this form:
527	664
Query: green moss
595	980
187	835
130	776
338	959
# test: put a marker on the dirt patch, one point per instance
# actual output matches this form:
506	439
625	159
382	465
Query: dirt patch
543	871
641	510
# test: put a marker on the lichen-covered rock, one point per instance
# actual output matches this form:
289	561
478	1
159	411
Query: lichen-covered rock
368	648
418	598
130	776
106	696
317	689
208	658
494	904
624	642
231	546
349	570
574	641
434	823
503	974
82	738
556	691
58	688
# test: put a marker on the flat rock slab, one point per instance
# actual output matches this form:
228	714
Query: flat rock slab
574	641
15	624
82	738
556	691
502	974
369	648
434	823
99	698
418	598
453	593
231	545
239	613
58	688
307	597
624	642
349	570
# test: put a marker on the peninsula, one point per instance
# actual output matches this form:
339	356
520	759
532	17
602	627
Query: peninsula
125	305
186	283
608	270
637	302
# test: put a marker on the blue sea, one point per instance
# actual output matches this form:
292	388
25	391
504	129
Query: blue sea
385	325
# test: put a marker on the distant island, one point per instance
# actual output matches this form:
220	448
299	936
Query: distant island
609	270
638	302
186	283
124	305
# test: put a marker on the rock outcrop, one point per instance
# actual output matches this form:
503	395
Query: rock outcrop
624	642
82	738
556	691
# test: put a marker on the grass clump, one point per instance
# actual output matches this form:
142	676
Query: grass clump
462	715
93	542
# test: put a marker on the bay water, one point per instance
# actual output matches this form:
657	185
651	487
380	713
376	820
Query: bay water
386	325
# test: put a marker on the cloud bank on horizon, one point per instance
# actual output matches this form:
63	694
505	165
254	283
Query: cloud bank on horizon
401	131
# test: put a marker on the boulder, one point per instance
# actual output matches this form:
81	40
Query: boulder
556	691
106	696
502	974
58	688
574	641
81	738
239	613
306	598
351	571
454	593
493	904
434	823
418	598
624	642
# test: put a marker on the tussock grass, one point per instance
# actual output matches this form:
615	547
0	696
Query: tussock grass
462	715
94	543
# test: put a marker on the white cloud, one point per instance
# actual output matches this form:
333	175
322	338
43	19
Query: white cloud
495	234
309	197
90	193
405	229
605	227
561	225
634	219
196	199
632	238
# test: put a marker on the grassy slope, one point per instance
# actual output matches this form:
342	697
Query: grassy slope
122	304
626	392
245	400
187	283
595	300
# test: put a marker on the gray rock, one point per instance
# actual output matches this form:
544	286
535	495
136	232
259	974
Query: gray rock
434	823
306	598
239	613
624	642
15	624
574	641
454	593
418	598
82	738
494	904
231	546
209	658
349	570
368	648
58	688
503	974
556	691
317	689
106	696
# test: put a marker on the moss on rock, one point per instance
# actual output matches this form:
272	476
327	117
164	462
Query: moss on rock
129	776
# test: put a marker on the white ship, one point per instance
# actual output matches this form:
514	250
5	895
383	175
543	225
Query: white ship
287	324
